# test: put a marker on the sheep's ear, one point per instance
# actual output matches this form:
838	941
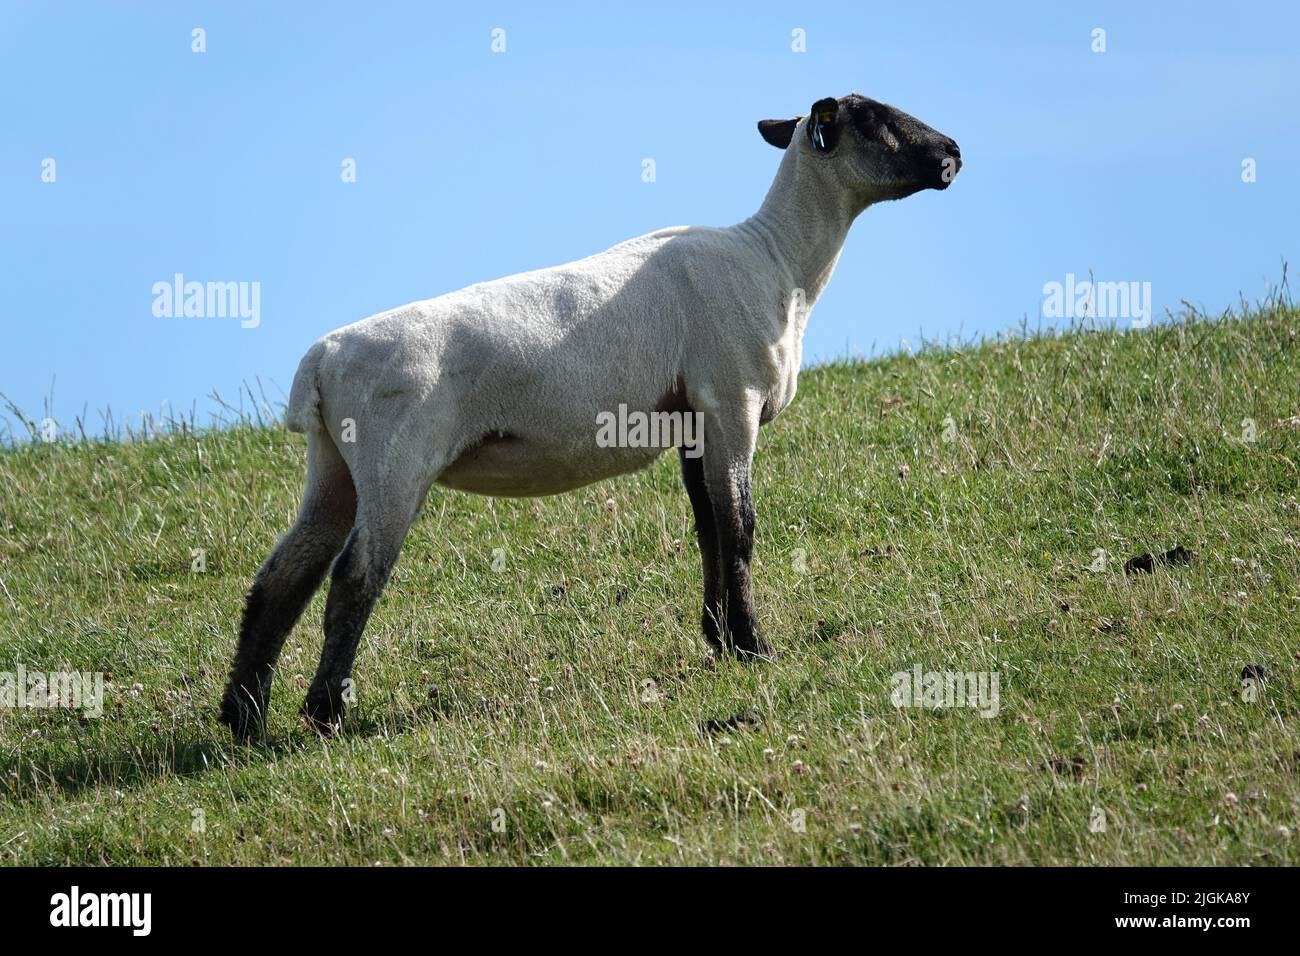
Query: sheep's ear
823	130
778	132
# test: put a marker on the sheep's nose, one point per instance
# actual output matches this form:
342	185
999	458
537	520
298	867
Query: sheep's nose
949	156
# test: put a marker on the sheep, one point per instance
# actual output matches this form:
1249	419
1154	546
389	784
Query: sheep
496	389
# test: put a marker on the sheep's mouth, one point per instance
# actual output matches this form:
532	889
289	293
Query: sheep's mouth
903	189
933	170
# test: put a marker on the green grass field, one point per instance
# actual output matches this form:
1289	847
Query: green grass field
965	510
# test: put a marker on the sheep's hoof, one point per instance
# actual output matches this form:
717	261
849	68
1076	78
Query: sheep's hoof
761	650
750	646
241	714
323	728
322	715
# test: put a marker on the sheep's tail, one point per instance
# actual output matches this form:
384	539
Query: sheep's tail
303	411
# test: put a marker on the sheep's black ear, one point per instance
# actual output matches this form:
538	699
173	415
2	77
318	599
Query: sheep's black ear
778	132
823	130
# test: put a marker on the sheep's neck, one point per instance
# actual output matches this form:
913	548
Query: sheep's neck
803	223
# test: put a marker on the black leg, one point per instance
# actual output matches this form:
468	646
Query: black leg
729	436
358	579
733	516
286	582
282	589
707	536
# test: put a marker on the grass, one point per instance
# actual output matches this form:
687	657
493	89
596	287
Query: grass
943	509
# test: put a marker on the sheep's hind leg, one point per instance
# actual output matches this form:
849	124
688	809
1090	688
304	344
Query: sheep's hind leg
285	584
385	512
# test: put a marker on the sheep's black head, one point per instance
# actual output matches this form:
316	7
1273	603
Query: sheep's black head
872	148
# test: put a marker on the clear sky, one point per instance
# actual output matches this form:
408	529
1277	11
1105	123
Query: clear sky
227	165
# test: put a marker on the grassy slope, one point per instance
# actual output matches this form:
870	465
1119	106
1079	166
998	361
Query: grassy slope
971	554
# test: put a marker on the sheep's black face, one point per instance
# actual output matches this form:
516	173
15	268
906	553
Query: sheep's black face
891	153
874	149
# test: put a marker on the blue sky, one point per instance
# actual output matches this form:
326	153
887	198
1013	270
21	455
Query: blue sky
225	165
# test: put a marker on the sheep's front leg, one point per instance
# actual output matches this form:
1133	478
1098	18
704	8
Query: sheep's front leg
729	439
706	534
